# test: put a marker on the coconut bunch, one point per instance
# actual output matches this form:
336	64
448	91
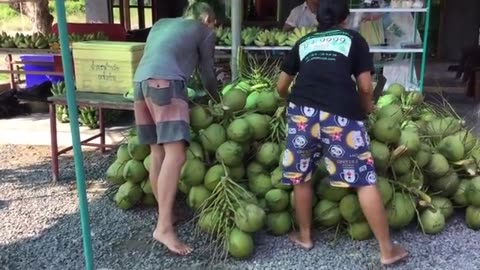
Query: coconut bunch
129	175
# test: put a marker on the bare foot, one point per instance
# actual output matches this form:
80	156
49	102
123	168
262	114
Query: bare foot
170	240
296	238
396	254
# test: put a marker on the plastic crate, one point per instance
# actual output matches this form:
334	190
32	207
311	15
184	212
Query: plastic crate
105	66
36	79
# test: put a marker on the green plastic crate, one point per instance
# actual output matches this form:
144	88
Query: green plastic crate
105	66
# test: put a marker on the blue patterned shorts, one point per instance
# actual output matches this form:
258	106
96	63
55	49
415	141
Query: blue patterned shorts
343	143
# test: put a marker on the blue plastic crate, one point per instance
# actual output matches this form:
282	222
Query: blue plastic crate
34	79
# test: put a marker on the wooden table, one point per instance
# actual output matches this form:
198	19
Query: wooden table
84	99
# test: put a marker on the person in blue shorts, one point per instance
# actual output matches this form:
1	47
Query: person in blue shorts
325	117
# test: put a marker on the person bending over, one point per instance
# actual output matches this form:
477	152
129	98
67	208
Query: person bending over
326	118
174	48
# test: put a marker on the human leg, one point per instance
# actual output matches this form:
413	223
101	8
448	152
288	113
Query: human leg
157	155
298	165
350	164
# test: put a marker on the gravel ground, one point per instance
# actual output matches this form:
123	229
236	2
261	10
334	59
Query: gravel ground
40	228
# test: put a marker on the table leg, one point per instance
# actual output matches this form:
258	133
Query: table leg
101	119
53	138
10	67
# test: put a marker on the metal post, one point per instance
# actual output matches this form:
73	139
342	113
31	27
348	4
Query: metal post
77	148
425	46
237	11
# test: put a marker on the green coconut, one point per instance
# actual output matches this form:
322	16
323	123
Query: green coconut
128	195
207	221
359	231
268	154
393	112
122	153
212	137
438	166
237	173
136	150
325	191
411	126
400	210
279	223
327	213
149	200
444	205
446	185
200	117
411	141
472	217
134	171
251	102
386	189
432	221
214	175
414	98
423	156
195	151
146	163
197	195
260	125
114	173
381	154
396	89
386	131
387	100
468	140
240	244
146	187
451	147
460	196
412	179
276	177
235	99
350	209
193	172
277	200
266	102
427	116
250	218
255	168
473	192
230	153
442	127
260	184
239	131
184	188
402	165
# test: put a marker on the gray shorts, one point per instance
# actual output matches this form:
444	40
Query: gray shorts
161	111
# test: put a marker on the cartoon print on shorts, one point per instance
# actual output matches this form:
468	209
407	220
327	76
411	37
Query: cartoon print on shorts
371	177
303	165
349	175
355	140
301	121
341	121
330	165
299	141
315	131
308	111
336	151
291	105
367	157
334	132
293	177
324	116
288	158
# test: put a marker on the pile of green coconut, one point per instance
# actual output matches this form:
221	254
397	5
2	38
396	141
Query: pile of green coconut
427	164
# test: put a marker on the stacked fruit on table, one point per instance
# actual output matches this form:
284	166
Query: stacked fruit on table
87	116
255	36
43	41
427	164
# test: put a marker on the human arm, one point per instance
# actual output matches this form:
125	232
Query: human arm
362	70
291	21
289	68
207	66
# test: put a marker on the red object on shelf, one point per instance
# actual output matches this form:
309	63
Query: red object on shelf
265	8
114	32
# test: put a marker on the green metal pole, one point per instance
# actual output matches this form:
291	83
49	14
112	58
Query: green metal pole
77	148
425	46
237	12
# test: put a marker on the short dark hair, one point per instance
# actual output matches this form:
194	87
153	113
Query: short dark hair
331	13
197	10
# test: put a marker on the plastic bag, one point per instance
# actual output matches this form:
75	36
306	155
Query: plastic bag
399	72
400	28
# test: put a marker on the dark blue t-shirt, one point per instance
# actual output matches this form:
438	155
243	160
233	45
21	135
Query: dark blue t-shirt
325	62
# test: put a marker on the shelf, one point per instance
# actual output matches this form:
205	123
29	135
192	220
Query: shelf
388	10
373	49
28	51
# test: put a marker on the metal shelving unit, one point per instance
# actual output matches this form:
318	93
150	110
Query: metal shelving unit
420	47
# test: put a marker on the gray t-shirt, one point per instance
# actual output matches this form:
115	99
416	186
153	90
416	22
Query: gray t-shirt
174	48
